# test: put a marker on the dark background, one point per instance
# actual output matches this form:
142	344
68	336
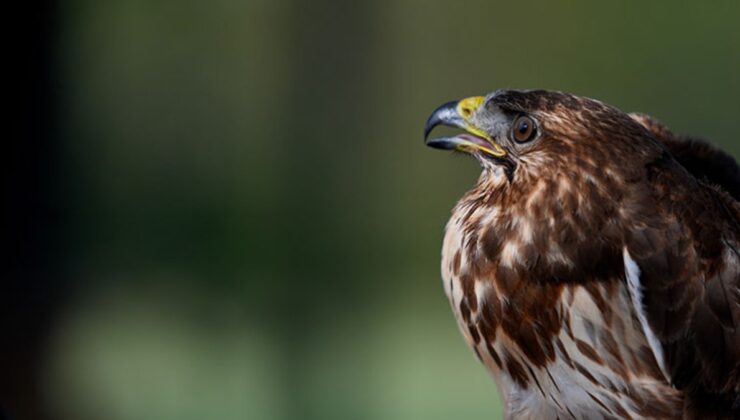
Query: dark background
224	209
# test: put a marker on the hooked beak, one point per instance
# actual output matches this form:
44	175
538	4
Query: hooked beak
458	114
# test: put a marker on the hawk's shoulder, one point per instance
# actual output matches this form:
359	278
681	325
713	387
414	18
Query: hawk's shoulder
703	160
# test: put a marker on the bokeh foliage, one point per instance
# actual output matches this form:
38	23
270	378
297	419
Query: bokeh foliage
252	223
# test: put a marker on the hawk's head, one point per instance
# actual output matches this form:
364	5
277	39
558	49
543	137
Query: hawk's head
542	133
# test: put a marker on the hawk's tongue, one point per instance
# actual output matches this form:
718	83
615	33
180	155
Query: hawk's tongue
474	139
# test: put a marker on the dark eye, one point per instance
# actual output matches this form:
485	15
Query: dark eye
524	129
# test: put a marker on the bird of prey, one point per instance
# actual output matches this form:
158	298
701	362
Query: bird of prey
594	269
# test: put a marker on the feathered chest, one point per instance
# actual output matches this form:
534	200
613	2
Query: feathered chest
556	346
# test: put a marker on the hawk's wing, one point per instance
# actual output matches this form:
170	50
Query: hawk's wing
682	263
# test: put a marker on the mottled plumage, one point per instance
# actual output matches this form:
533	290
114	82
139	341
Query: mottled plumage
594	268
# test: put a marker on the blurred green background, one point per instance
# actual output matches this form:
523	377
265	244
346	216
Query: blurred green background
248	225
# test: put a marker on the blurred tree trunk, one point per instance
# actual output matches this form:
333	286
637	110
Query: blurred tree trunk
325	108
30	279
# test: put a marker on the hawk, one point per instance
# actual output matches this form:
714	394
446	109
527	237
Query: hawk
594	269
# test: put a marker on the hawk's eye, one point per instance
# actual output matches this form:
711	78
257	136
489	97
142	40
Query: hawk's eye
523	129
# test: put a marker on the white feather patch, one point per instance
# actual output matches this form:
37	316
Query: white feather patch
635	289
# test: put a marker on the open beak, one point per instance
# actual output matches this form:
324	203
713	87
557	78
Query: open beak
458	114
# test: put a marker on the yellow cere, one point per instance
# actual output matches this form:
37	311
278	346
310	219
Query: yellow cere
468	106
